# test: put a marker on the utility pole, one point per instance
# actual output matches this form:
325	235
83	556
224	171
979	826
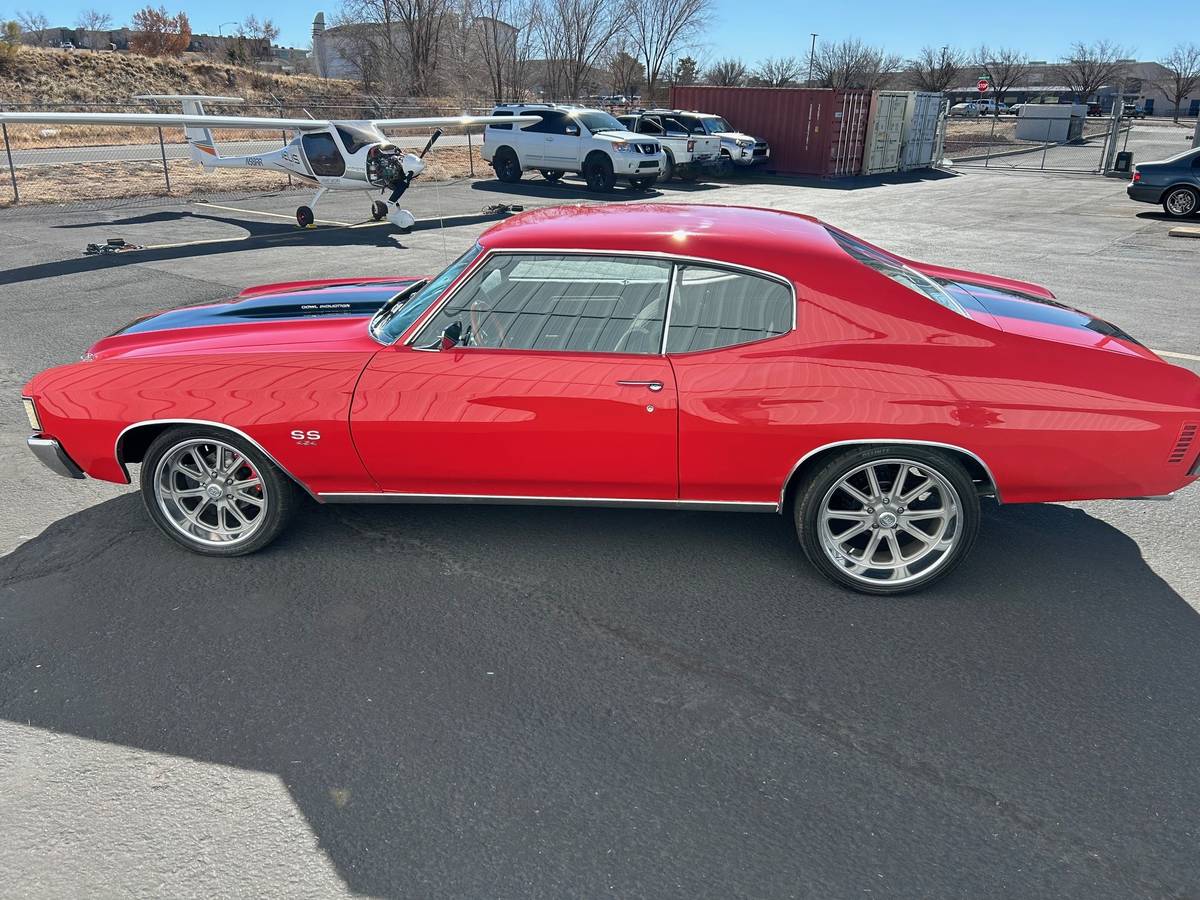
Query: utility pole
811	51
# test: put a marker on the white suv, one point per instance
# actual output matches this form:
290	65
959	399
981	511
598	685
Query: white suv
571	139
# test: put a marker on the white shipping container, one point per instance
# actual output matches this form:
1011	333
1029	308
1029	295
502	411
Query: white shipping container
923	133
885	132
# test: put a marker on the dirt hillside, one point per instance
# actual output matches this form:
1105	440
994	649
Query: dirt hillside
61	76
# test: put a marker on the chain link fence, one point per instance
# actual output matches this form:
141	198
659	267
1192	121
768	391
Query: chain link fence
1007	142
106	166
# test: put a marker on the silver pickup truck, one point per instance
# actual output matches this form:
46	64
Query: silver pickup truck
689	151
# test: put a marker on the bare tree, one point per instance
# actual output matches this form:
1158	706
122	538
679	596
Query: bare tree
660	28
625	69
1182	76
728	72
90	23
158	33
399	40
368	50
1003	67
36	26
255	39
936	70
778	71
851	64
1088	67
422	23
574	36
498	36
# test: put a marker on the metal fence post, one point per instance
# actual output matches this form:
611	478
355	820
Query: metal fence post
12	172
163	150
991	140
470	152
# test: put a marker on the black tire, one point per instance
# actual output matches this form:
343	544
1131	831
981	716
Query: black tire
507	166
688	174
1181	202
668	166
379	210
643	184
304	217
598	172
820	489
551	175
277	493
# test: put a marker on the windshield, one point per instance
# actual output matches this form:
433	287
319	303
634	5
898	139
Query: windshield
355	137
397	323
894	269
716	124
594	120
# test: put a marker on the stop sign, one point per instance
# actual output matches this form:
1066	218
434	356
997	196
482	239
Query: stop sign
983	85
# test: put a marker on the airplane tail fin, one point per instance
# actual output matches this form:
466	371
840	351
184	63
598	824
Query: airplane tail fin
201	146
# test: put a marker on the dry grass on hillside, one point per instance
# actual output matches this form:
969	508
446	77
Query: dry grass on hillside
61	76
125	179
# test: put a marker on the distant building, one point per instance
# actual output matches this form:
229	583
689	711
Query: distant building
1043	84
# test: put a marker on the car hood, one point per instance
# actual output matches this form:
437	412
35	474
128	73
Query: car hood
734	136
272	316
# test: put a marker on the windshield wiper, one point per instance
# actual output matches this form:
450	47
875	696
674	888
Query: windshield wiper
384	312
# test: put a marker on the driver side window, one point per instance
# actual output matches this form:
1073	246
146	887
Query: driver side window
591	304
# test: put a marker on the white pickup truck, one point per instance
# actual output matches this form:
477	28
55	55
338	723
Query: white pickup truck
689	151
571	139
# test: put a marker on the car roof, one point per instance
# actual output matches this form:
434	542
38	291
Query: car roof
768	239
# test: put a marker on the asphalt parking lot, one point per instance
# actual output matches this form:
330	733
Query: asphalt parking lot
502	702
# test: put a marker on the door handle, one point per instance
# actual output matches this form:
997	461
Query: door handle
653	385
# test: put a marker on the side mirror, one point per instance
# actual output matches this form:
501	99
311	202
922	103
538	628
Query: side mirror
572	129
451	336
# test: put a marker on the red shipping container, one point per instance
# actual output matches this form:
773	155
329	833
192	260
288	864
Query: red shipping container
812	131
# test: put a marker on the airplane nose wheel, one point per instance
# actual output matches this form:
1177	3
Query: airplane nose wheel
379	210
304	217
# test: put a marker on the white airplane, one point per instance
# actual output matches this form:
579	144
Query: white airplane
335	155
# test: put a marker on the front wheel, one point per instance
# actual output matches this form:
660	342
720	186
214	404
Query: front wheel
304	217
887	520
551	175
1181	202
643	184
214	493
598	172
379	210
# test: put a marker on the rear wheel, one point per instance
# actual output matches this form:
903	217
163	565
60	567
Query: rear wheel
379	210
1181	202
507	166
598	172
687	173
550	175
304	217
213	492
668	166
887	520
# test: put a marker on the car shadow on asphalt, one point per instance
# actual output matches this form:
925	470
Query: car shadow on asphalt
515	701
256	234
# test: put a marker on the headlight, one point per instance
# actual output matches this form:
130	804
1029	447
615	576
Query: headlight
743	143
31	414
621	146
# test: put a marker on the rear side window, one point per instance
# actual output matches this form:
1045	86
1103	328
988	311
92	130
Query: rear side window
553	121
893	268
501	112
721	308
596	304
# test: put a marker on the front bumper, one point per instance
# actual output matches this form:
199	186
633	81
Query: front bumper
1144	193
638	165
750	156
54	457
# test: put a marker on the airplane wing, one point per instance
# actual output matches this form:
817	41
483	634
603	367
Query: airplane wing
454	121
165	120
245	122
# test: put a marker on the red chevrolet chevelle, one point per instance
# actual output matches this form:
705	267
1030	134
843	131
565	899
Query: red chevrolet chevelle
695	357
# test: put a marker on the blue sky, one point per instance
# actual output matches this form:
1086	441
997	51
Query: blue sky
753	29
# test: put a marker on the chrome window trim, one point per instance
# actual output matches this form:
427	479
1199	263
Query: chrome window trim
534	500
674	258
221	425
995	491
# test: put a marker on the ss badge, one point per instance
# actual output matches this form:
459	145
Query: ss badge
306	438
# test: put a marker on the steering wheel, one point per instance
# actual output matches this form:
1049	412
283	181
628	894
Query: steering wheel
486	329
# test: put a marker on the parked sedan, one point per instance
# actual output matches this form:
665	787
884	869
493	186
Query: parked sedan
1174	182
683	357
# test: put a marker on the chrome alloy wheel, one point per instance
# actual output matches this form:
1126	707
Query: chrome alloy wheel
889	522
1181	202
210	492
